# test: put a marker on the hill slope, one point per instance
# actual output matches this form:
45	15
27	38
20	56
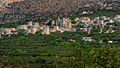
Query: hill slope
39	9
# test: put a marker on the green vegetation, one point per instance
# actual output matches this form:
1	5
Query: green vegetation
104	57
50	49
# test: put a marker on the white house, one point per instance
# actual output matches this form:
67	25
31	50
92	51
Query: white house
87	39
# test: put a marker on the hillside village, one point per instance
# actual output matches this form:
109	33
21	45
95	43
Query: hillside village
59	33
62	25
51	41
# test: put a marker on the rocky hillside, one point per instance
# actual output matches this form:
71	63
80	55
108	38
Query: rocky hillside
39	9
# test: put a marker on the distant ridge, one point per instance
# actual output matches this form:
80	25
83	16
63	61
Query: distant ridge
19	10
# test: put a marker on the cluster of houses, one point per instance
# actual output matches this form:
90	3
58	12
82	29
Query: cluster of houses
117	18
8	31
61	25
97	21
101	21
33	27
90	39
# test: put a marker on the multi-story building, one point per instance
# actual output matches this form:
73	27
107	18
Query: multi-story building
111	21
36	24
77	20
66	23
85	19
8	31
56	27
46	30
30	23
101	24
51	23
104	18
22	27
32	30
58	22
69	24
117	18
